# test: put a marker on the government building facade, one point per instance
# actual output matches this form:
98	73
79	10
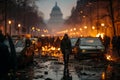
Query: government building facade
56	21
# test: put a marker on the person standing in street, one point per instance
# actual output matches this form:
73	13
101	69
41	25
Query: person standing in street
118	46
4	59
13	57
27	42
66	49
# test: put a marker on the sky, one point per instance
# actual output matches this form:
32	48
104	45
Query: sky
45	6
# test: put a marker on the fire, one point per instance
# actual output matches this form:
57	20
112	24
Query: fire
100	34
103	75
51	51
108	57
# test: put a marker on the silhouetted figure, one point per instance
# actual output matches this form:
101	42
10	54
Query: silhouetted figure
114	42
67	75
4	59
13	57
57	42
100	37
39	46
118	45
66	49
28	42
106	43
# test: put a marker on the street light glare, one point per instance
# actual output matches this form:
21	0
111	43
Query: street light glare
19	25
9	22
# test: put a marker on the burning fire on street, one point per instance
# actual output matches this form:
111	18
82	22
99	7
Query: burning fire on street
109	57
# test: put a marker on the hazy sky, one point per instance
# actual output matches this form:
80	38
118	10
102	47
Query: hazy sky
46	6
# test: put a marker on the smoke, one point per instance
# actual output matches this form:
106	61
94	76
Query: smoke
32	3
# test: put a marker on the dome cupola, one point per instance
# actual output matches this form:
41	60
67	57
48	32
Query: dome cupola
56	8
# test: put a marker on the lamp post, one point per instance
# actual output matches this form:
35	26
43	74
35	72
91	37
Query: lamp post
19	25
10	26
33	29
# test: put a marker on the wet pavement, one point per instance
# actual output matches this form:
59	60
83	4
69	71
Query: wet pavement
83	70
53	68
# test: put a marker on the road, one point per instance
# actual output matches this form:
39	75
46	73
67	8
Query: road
53	68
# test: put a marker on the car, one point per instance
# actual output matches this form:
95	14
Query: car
88	47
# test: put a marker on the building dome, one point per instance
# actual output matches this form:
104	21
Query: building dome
56	21
56	8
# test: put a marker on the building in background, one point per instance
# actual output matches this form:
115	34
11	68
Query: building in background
56	21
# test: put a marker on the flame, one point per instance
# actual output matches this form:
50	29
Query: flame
108	57
100	34
51	51
103	75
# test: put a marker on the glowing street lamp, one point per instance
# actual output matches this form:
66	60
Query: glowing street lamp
85	27
93	27
80	29
19	26
102	24
74	29
33	28
10	26
9	22
71	30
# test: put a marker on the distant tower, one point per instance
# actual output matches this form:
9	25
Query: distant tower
55	23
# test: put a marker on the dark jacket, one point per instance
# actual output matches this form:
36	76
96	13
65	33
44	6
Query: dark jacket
66	44
28	43
4	59
12	53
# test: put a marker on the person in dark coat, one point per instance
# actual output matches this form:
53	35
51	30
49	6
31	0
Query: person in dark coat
28	42
118	46
106	42
13	57
66	49
4	59
114	42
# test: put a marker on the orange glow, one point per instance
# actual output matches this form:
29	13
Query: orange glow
85	27
100	34
51	51
108	57
19	25
28	35
74	29
9	22
80	29
33	28
102	24
103	75
93	27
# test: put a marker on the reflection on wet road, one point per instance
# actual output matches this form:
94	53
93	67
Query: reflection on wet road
53	68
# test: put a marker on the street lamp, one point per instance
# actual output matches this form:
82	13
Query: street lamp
33	29
10	26
93	27
85	27
19	25
102	24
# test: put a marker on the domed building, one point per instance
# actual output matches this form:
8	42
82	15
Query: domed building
56	21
